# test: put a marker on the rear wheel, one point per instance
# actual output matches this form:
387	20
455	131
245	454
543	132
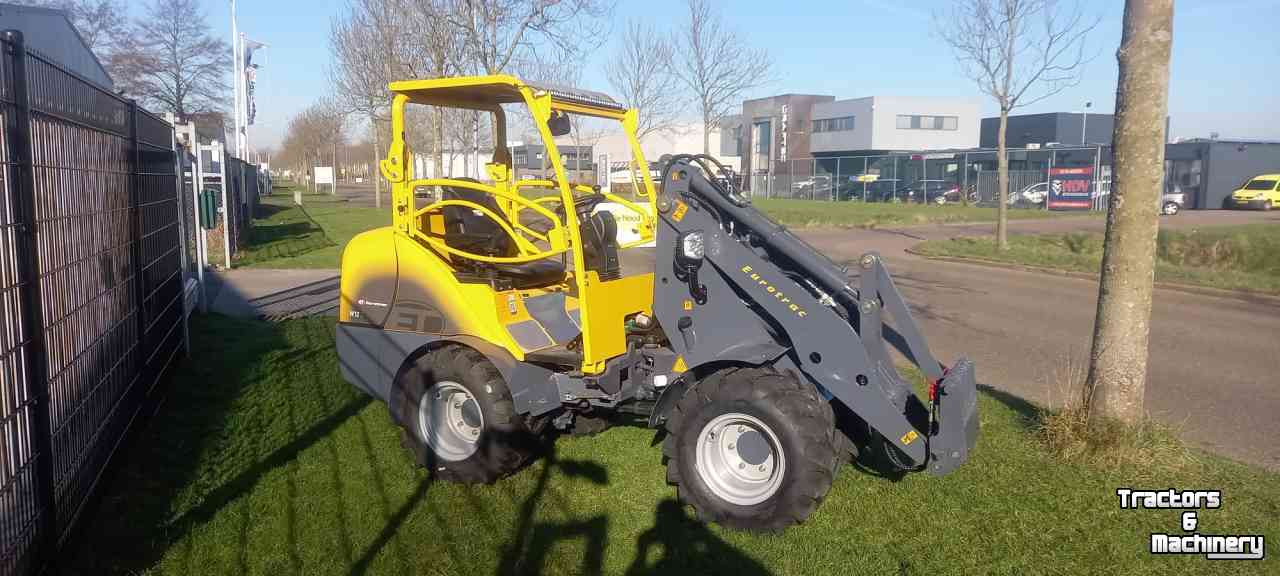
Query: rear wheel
1171	208
751	449
458	418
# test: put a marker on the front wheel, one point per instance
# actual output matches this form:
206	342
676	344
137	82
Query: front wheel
751	449
1170	208
1267	205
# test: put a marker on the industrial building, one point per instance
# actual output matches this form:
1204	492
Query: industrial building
49	32
772	131
1049	129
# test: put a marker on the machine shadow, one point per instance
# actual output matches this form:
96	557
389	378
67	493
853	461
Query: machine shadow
685	545
531	540
1030	416
676	543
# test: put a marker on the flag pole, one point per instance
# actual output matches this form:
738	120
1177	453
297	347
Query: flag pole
244	97
235	78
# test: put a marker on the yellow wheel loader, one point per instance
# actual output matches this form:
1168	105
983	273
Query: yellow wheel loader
494	313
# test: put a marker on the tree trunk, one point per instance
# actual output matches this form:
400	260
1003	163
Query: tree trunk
376	173
437	143
706	137
1118	362
1002	183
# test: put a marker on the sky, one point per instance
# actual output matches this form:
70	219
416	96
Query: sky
1225	64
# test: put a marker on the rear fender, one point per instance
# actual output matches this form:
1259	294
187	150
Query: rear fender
373	360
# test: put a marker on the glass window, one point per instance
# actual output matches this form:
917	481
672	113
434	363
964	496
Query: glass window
833	124
910	122
1260	184
763	132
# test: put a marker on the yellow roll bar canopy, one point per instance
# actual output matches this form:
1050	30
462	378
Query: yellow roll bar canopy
483	92
488	94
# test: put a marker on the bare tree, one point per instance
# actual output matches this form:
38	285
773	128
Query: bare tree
313	137
640	73
1018	52
170	61
498	33
362	65
99	22
1118	362
716	66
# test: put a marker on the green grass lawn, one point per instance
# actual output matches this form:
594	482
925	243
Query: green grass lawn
308	236
1245	257
313	235
263	461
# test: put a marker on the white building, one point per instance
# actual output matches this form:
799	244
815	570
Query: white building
891	123
685	138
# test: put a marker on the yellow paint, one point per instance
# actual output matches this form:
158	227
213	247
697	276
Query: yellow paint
468	308
679	366
688	305
909	437
425	259
610	304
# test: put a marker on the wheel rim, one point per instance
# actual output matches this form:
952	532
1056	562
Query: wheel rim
450	421
740	459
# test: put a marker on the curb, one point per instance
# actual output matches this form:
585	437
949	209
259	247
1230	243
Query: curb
1249	295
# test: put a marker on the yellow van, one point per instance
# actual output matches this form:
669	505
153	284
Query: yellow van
1261	191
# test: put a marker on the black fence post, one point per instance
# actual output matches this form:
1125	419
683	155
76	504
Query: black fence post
135	232
35	359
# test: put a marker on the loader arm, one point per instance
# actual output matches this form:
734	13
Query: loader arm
795	297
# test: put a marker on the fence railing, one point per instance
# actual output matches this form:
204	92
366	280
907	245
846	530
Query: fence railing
91	257
938	177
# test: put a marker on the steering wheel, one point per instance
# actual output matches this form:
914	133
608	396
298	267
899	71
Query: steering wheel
585	204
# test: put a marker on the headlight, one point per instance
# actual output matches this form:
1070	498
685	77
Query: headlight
691	245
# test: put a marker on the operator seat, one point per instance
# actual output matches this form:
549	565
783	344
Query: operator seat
467	230
600	245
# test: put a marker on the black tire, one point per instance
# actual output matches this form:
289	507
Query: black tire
1267	206
802	422
505	441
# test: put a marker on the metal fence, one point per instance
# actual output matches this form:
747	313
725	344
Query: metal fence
936	177
90	290
236	185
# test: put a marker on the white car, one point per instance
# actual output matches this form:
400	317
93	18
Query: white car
1033	194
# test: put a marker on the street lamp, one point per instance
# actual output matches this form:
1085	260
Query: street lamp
1084	123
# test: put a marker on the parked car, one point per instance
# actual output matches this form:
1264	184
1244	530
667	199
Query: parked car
1035	194
1262	192
810	185
873	191
952	196
922	191
1172	202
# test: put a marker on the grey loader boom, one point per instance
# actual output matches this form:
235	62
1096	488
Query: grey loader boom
801	317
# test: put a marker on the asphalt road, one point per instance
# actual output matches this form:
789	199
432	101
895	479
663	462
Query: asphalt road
1214	366
1214	360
